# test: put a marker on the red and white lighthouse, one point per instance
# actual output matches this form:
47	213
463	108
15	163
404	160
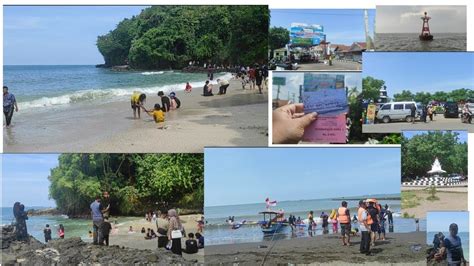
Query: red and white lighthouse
425	29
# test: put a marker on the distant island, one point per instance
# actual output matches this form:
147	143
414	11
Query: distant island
172	37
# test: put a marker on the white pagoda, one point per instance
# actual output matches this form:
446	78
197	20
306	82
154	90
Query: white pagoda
436	169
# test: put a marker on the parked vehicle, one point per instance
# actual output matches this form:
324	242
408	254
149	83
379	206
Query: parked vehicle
451	110
397	111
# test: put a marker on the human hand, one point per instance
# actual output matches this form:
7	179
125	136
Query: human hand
16	109
289	123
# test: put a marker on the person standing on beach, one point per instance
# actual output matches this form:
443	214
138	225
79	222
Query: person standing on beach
344	219
374	226
105	229
325	218
9	105
47	233
174	224
21	217
389	214
382	218
97	220
364	227
105	201
310	222
137	101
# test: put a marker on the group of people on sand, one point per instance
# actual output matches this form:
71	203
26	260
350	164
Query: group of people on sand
447	248
168	103
371	218
255	76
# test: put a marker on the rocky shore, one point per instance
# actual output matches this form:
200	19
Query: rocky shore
74	251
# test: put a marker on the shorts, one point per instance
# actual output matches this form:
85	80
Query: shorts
259	82
134	106
345	229
374	227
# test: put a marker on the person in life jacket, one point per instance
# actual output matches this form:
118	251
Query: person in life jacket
344	219
453	244
363	219
333	217
137	101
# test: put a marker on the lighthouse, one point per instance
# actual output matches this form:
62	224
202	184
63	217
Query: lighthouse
425	29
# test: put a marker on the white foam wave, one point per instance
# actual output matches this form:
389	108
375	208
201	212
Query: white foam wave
108	94
152	73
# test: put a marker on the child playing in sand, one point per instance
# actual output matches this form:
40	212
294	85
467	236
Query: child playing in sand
159	117
188	88
105	228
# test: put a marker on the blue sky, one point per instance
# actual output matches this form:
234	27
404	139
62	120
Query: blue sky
295	79
25	179
421	71
410	134
342	26
440	221
249	175
58	35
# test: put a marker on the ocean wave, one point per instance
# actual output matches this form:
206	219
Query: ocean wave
111	94
152	73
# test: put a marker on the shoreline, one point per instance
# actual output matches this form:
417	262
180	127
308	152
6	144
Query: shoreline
448	201
238	118
321	249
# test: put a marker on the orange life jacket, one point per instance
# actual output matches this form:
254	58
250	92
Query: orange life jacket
343	218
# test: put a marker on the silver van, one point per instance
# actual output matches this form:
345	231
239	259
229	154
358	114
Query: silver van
397	111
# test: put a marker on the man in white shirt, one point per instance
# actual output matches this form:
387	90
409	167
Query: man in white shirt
223	84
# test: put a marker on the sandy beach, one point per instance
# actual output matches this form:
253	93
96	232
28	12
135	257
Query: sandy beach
324	249
136	240
238	118
450	199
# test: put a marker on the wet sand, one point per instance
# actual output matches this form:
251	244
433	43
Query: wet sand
238	118
136	240
454	199
326	249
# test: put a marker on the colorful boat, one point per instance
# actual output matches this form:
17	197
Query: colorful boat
273	222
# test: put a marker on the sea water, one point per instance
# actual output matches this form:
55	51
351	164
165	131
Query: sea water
39	87
72	227
464	240
411	42
219	232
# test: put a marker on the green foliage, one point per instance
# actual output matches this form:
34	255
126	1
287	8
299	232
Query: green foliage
136	182
371	88
278	37
440	96
419	152
432	193
171	36
392	139
406	215
409	200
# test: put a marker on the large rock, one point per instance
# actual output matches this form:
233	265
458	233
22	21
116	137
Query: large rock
74	251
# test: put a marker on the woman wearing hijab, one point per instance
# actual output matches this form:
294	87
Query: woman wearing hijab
21	217
173	225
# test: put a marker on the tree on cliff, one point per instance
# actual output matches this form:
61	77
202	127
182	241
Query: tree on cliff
136	182
171	36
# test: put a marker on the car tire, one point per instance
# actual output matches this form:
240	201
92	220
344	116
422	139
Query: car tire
408	119
386	119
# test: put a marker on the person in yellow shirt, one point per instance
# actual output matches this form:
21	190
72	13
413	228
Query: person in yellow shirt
158	115
138	100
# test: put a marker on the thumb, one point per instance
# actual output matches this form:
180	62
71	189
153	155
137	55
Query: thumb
306	119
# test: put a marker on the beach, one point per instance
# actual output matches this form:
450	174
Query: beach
326	249
450	199
238	118
136	240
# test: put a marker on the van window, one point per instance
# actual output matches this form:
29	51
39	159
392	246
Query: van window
386	107
398	107
408	106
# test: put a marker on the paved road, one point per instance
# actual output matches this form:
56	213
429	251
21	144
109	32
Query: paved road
336	65
439	123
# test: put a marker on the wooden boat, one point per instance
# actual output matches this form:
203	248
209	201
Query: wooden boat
273	222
